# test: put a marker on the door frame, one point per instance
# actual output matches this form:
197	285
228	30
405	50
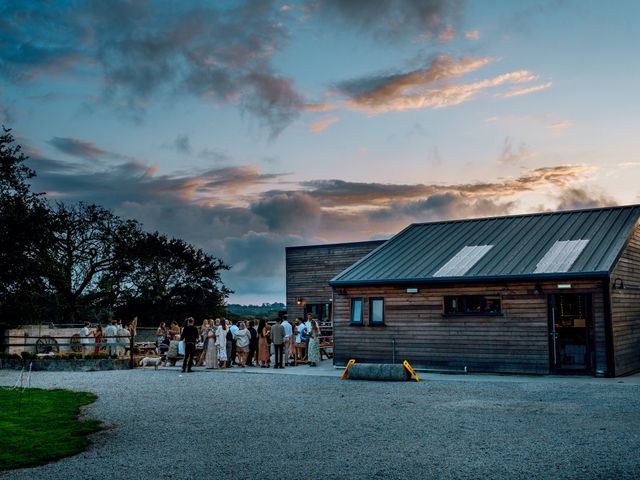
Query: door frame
555	364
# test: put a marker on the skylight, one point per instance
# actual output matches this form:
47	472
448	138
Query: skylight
462	262
561	256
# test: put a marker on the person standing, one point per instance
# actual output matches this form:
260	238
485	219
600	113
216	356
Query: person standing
277	337
264	352
212	348
314	345
190	337
243	339
307	326
110	333
288	334
99	336
253	344
221	342
234	331
204	335
85	340
161	332
124	338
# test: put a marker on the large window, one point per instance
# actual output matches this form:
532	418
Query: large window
376	311
356	311
472	305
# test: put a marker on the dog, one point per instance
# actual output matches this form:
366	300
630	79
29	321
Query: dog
155	361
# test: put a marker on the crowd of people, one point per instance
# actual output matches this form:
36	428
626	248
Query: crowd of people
112	339
224	344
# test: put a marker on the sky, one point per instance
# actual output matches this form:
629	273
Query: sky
247	127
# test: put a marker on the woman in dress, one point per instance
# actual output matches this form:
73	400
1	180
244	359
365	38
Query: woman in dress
264	353
243	338
212	348
204	335
221	342
314	345
99	334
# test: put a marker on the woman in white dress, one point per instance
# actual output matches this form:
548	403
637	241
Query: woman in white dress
212	348
221	342
313	355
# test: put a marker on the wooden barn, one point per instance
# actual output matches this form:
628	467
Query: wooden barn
309	269
542	293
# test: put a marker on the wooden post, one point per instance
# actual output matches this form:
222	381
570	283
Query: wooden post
131	343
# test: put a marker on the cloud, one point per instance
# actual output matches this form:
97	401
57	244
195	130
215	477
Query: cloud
576	198
428	87
319	107
322	124
512	154
181	144
389	20
447	35
77	148
247	217
142	51
561	125
472	35
516	92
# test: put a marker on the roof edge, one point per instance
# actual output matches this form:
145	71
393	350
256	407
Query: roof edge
485	278
330	245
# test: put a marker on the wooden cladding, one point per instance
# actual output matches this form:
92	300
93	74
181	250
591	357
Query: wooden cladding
416	328
625	308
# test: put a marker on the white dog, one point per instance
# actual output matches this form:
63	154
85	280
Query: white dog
155	361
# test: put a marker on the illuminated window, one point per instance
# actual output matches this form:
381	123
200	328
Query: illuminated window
356	311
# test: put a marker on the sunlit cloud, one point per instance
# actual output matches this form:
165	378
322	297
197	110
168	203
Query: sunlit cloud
472	35
448	35
319	107
559	125
322	124
515	92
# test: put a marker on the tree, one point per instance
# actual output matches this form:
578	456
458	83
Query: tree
172	279
87	257
23	223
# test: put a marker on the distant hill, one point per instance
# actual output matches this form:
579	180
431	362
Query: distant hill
266	310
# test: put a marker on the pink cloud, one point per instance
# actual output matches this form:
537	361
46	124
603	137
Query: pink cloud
516	92
472	35
322	124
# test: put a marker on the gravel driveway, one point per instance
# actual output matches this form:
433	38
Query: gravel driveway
228	425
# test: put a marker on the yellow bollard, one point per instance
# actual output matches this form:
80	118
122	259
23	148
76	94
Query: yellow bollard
410	370
345	374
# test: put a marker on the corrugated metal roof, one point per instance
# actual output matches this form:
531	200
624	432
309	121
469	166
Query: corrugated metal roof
571	243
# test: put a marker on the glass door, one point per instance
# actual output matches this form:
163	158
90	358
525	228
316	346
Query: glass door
570	332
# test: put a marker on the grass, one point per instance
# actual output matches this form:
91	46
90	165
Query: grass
42	426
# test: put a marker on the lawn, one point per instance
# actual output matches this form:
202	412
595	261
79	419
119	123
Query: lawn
42	426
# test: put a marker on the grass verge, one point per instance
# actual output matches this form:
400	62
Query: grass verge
42	426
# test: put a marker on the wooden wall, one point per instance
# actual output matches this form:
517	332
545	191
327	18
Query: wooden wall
625	308
515	342
310	268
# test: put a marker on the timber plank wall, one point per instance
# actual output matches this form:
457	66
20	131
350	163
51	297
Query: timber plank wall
625	308
515	342
309	269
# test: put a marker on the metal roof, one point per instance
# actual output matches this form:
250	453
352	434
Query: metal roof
557	244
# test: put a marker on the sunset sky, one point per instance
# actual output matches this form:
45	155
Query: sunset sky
248	127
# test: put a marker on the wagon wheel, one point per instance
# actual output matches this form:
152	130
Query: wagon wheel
74	342
47	344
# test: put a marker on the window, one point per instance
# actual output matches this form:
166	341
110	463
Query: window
356	311
472	305
376	311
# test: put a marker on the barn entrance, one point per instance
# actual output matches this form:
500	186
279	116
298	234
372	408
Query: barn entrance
570	333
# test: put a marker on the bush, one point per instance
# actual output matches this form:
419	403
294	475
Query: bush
28	356
13	356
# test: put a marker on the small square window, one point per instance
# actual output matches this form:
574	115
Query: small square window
356	311
376	311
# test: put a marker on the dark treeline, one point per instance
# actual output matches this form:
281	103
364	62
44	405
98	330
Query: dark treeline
66	263
269	311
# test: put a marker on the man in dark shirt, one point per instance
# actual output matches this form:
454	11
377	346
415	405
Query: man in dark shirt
190	336
253	343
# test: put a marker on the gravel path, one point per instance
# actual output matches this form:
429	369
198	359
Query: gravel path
226	425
